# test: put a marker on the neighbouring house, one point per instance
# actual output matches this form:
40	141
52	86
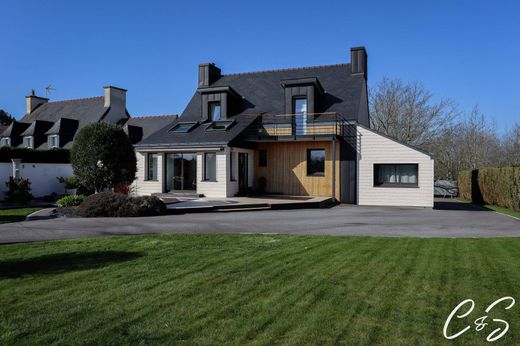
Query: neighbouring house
48	125
298	131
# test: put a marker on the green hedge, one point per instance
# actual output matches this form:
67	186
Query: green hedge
35	156
497	186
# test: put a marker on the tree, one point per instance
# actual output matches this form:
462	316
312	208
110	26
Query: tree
408	113
511	145
102	156
5	118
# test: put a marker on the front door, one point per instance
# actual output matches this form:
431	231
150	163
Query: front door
181	172
243	182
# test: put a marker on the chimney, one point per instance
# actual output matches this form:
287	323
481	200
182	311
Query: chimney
208	73
115	98
32	101
358	61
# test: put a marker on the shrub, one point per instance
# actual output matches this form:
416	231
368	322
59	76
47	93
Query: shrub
497	186
18	191
102	156
109	204
70	201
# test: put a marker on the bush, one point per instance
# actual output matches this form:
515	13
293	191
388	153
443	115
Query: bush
70	201
109	204
18	191
102	156
496	186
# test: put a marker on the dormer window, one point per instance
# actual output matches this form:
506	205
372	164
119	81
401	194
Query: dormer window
214	111
28	142
5	142
52	141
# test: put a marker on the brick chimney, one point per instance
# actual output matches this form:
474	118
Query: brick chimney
32	101
358	61
208	73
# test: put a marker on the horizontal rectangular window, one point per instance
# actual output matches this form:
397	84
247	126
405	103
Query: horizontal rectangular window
316	162
152	166
182	127
210	166
396	175
221	125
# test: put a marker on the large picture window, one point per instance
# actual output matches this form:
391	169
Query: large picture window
316	162
210	166
396	175
152	162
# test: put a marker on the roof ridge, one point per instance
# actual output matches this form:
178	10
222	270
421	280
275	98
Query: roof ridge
80	99
154	116
286	69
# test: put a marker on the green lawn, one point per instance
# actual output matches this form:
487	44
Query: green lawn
503	210
15	214
261	289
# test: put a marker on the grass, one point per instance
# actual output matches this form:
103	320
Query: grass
15	214
260	289
503	210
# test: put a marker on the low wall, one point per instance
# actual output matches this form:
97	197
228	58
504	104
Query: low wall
41	175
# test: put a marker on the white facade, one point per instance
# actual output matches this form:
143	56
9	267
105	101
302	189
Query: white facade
224	186
374	148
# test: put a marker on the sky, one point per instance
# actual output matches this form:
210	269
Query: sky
468	51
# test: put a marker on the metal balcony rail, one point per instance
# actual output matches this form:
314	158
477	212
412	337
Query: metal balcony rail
292	125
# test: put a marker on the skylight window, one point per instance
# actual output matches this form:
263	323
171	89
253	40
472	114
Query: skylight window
182	127
221	125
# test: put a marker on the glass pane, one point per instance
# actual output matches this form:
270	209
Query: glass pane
407	174
214	111
316	162
210	166
153	160
189	171
300	111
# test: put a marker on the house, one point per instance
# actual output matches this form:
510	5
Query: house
298	131
48	125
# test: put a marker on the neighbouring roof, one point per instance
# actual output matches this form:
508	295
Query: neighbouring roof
85	111
138	128
15	129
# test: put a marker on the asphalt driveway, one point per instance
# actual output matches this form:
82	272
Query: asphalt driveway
448	219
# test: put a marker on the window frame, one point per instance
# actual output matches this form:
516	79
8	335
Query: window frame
205	167
397	184
57	138
147	170
262	158
212	104
316	174
31	140
232	176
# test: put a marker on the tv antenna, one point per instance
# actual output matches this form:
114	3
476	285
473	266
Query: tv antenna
48	89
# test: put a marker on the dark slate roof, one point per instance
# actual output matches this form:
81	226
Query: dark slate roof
15	129
63	125
198	136
262	91
144	126
37	128
85	111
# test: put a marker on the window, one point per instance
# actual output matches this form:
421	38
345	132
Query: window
28	142
182	127
405	175
214	111
262	158
300	116
152	162
5	142
221	125
316	162
52	141
210	166
231	168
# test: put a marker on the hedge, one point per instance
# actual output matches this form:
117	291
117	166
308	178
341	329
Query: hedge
497	186
35	156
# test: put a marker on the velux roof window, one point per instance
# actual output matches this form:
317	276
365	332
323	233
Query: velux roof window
221	125
183	127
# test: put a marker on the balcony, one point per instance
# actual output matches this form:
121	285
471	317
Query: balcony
308	126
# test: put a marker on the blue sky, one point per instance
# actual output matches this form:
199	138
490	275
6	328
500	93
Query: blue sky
465	50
